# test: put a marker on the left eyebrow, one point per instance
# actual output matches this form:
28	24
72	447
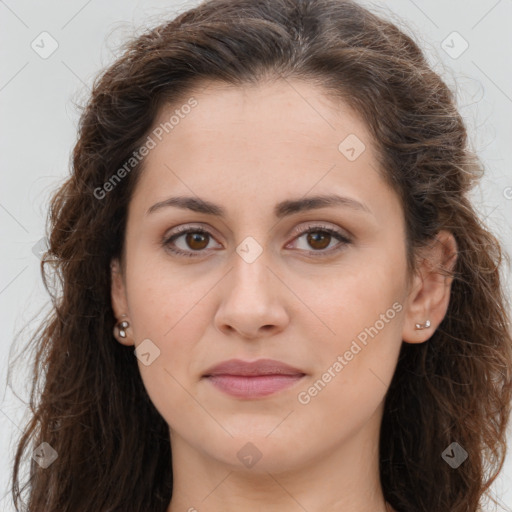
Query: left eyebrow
282	209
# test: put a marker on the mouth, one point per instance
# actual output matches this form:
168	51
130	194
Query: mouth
246	379
253	387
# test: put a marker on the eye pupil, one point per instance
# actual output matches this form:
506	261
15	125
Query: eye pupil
192	238
314	237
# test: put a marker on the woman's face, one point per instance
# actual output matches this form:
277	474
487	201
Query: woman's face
254	286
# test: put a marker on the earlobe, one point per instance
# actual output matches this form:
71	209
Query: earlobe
121	331
429	295
119	305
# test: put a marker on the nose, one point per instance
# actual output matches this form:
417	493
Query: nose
253	301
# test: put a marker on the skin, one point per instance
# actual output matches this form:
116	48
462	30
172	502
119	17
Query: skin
247	149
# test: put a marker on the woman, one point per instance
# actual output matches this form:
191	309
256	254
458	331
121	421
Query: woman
269	209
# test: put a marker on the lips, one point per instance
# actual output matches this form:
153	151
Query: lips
252	368
252	379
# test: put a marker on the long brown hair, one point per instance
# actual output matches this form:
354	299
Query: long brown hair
91	406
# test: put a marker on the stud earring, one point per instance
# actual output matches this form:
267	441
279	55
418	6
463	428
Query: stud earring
426	325
121	328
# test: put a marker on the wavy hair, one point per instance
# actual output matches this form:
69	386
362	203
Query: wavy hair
88	401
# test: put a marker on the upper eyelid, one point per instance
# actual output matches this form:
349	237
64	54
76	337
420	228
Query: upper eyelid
297	230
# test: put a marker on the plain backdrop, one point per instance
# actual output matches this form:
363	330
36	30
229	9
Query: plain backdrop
468	42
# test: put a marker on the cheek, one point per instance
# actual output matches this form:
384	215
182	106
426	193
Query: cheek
362	312
161	299
171	323
174	325
172	314
356	362
353	295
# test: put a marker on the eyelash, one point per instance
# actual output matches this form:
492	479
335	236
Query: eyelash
299	232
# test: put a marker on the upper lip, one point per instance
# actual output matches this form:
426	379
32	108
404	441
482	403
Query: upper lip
258	367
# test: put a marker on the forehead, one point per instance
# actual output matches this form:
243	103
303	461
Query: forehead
277	112
258	142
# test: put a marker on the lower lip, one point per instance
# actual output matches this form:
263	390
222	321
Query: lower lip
254	386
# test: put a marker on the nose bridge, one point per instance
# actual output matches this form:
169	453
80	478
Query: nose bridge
250	299
250	275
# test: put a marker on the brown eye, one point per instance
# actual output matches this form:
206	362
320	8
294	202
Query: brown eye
319	239
188	242
196	241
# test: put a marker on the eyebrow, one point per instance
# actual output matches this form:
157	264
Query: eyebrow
282	209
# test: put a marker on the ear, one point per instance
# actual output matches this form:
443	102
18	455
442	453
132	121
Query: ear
429	294
119	302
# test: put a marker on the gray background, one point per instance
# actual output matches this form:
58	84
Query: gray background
39	119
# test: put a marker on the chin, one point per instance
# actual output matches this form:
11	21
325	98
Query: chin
260	453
